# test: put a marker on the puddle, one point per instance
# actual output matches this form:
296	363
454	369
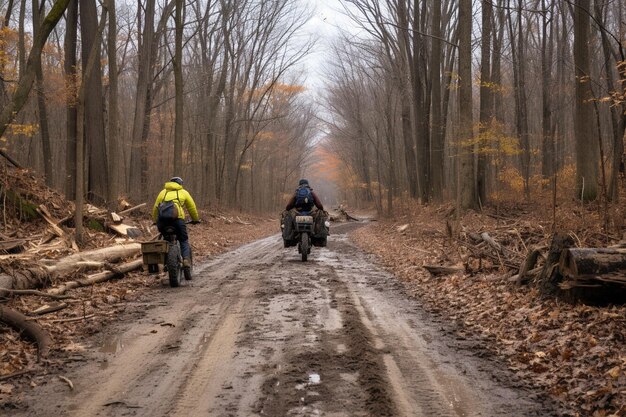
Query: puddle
112	344
314	379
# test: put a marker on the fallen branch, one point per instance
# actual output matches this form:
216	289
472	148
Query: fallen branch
67	381
99	277
38	293
128	210
47	309
495	245
32	330
16	374
442	270
45	214
71	319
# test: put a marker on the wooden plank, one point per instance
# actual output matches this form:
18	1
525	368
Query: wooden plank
125	230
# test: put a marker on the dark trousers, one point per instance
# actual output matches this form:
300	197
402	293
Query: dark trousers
181	234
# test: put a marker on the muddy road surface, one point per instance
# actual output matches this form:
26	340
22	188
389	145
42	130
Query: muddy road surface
260	333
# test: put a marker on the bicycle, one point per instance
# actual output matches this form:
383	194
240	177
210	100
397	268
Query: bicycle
167	252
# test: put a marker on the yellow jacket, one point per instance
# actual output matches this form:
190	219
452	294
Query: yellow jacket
175	192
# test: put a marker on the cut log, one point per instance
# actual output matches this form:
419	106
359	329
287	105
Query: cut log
442	270
591	263
115	218
32	330
39	276
99	277
109	254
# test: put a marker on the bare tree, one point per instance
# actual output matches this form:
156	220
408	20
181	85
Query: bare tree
586	144
467	185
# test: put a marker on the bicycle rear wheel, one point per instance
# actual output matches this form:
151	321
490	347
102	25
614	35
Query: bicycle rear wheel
173	265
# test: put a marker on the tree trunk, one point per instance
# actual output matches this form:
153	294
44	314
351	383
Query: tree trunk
26	81
138	161
467	187
69	67
114	142
93	55
484	144
178	85
547	140
587	148
95	145
437	139
41	101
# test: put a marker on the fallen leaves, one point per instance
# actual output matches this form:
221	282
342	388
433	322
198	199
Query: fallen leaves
576	353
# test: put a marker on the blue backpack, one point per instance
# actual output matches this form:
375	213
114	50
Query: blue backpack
304	198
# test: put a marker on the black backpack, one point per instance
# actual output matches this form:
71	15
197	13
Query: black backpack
168	210
304	198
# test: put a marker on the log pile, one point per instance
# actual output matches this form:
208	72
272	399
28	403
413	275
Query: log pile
39	256
590	275
593	275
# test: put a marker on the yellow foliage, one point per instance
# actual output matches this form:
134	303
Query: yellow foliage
511	184
28	130
493	141
8	42
512	178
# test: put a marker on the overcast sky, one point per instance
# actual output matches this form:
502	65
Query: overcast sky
325	23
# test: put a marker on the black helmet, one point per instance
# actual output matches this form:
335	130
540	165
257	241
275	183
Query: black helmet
177	180
303	182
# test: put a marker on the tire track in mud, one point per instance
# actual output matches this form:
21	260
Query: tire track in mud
350	367
260	333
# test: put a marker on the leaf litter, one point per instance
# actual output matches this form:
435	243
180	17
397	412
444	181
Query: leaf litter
575	353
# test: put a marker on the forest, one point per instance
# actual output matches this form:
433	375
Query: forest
470	158
473	101
431	101
92	89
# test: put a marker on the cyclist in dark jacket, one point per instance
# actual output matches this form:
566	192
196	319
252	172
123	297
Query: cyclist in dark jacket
297	205
316	201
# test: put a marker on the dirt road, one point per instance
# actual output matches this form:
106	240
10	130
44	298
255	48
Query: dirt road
259	333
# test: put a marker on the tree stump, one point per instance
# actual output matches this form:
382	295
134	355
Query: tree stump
549	279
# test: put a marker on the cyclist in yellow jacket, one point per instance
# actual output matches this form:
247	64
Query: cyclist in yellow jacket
173	191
